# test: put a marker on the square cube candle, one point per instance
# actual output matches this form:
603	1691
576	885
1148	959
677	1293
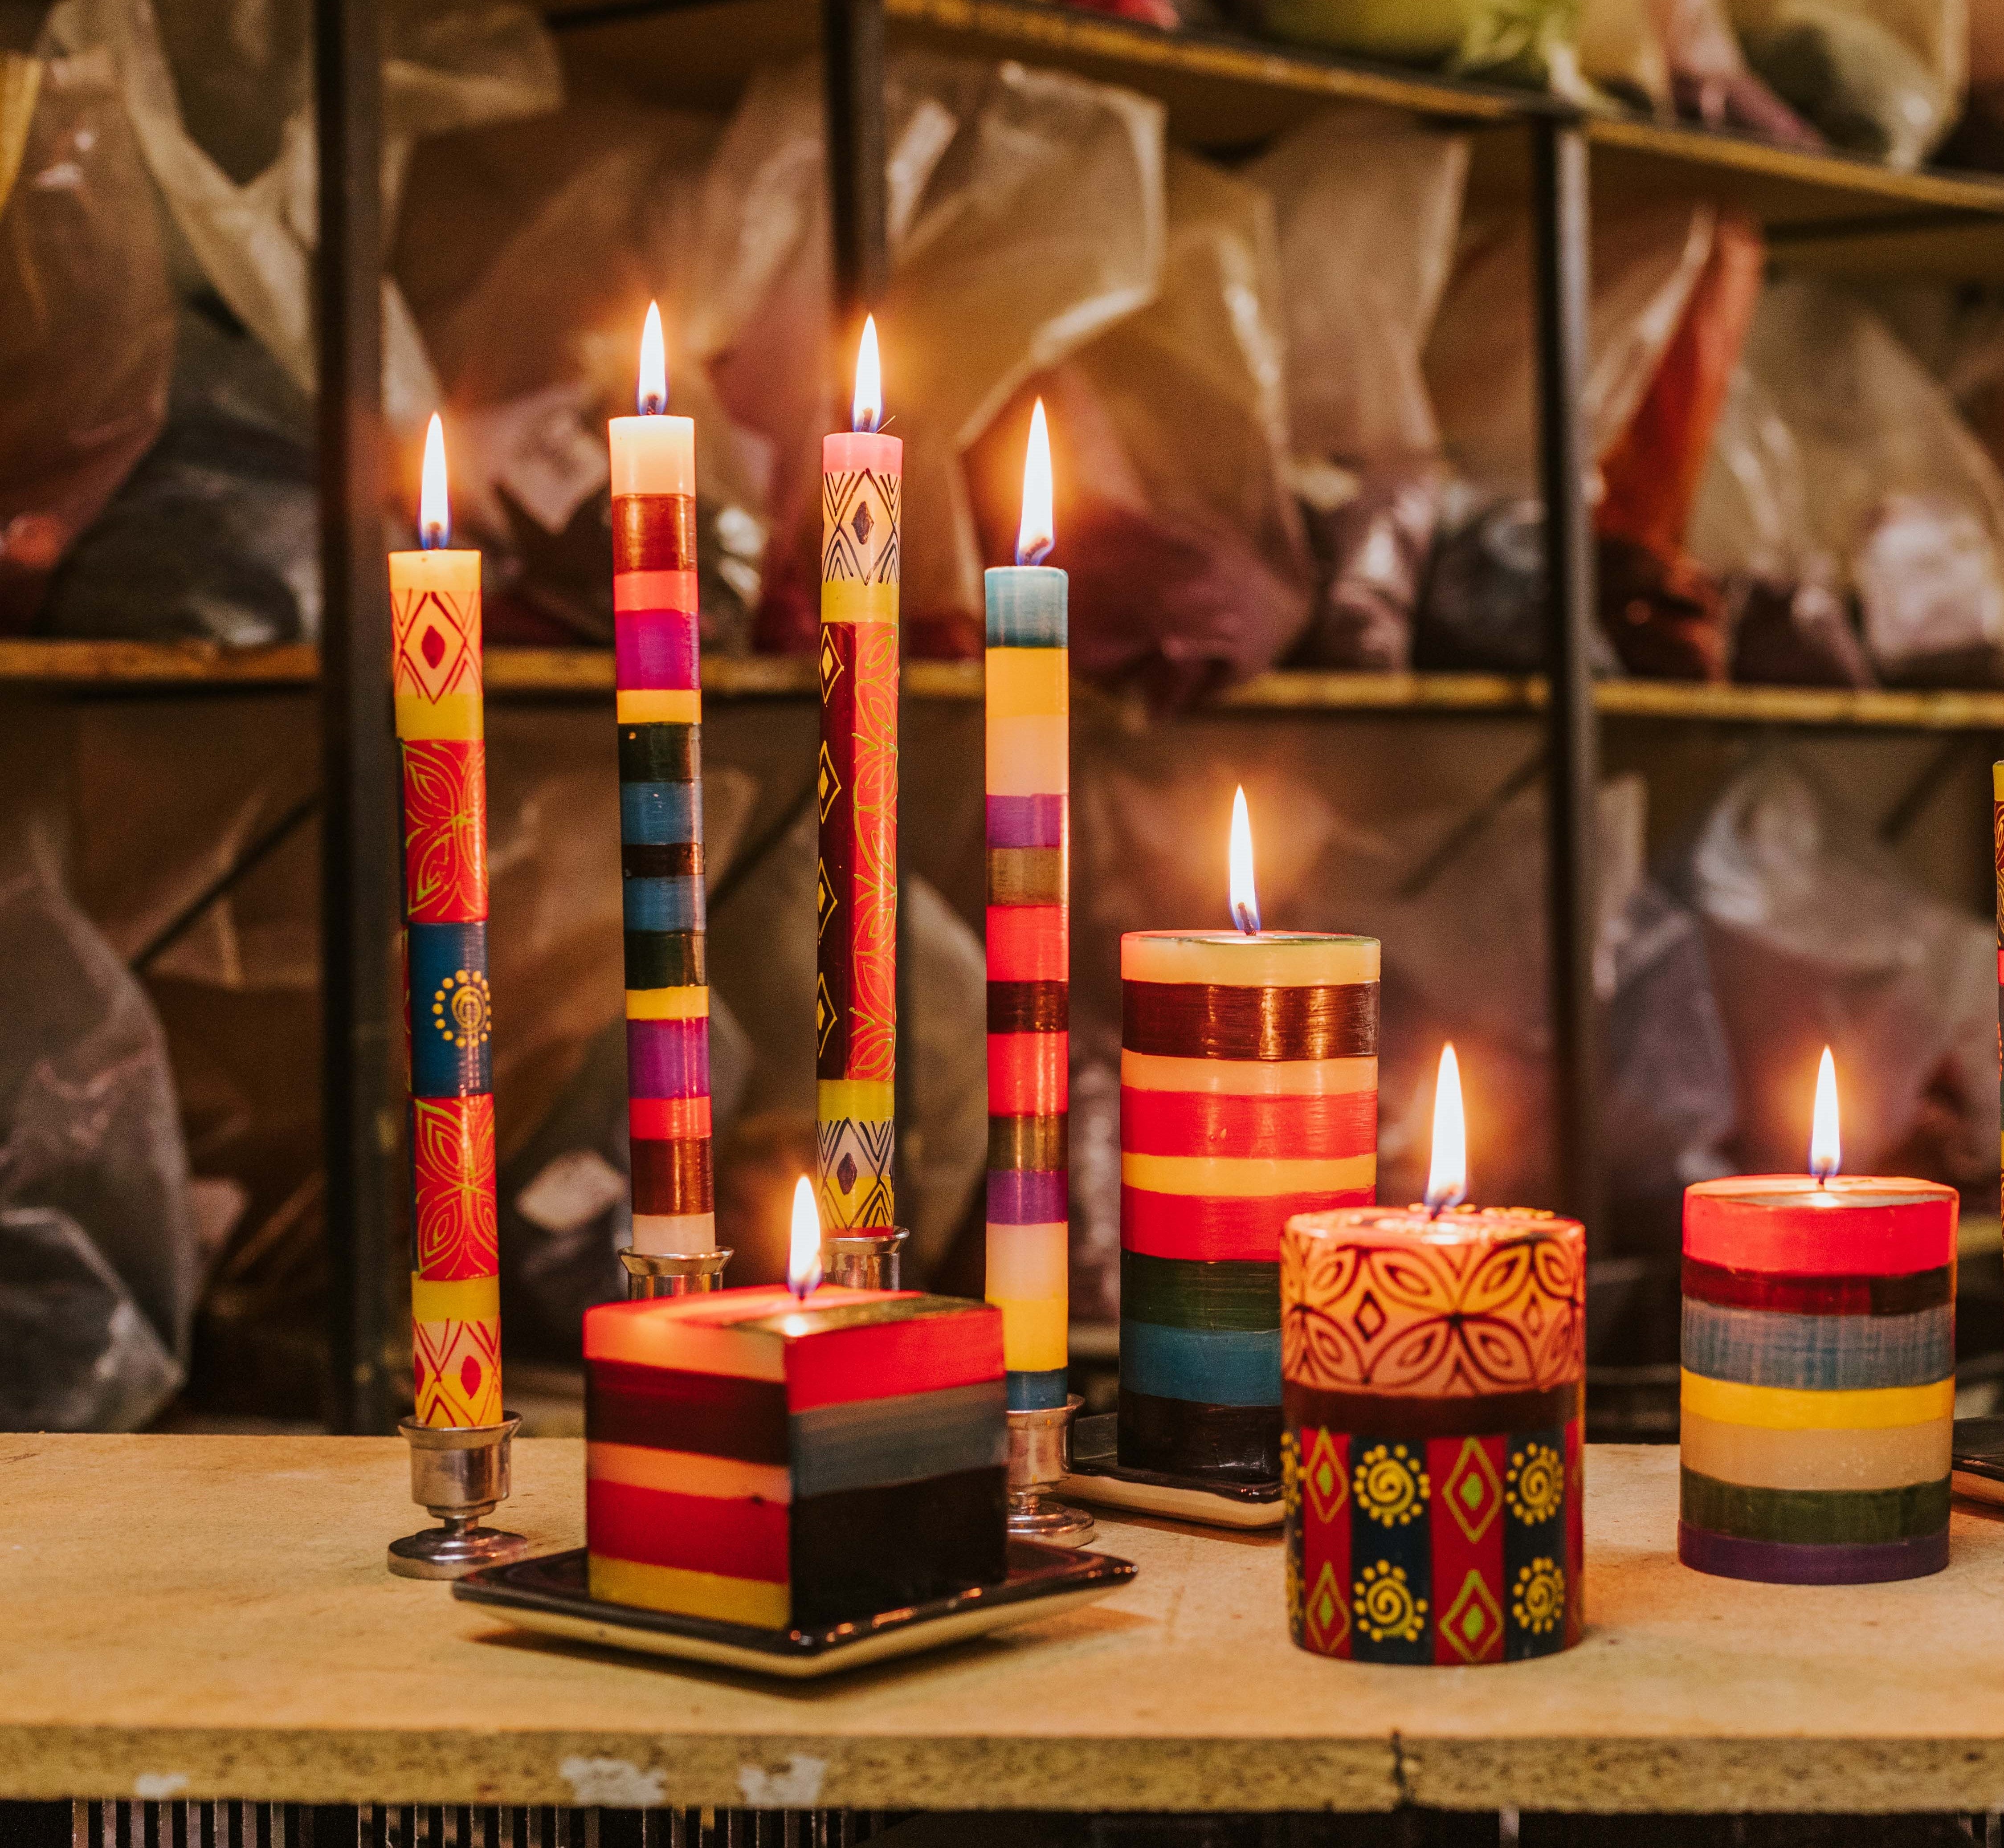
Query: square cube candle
763	1460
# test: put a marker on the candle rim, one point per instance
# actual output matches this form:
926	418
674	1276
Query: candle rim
1271	938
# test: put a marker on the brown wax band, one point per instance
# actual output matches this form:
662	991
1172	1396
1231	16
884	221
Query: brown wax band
658	959
1897	1295
1196	1020
713	1415
1029	1007
1028	1144
668	859
1182	1437
653	532
1397	1415
660	751
1026	876
673	1178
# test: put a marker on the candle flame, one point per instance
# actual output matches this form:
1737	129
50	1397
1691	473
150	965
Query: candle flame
434	509
653	396
866	408
803	1256
1038	533
1826	1151
1447	1176
1244	900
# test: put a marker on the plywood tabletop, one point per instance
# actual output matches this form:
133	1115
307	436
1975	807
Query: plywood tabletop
210	1617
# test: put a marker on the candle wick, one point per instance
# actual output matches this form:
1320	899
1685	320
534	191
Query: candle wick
1246	915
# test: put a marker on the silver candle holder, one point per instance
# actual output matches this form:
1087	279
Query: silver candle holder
1039	1459
458	1473
650	1274
865	1260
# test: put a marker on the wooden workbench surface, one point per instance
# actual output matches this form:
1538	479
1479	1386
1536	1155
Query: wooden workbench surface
210	1617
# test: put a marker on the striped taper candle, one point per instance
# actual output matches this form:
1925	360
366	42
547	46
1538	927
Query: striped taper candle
436	682
1029	784
856	880
657	651
1249	1093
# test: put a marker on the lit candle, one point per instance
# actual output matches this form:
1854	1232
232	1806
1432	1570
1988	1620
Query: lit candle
1435	1358
855	886
655	645
1029	758
436	678
1818	1371
794	1455
1248	1092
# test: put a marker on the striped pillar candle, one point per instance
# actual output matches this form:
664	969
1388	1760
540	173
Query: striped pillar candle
436	682
655	645
1819	1378
1249	1093
856	880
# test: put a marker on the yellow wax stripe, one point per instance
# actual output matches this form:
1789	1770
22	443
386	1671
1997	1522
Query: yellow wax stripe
1226	1177
863	1100
659	705
465	1299
1760	1458
454	715
1786	1408
692	1593
1024	681
684	1473
1029	757
1997	780
1249	1077
846	601
1230	959
1027	1261
667	1004
1033	1333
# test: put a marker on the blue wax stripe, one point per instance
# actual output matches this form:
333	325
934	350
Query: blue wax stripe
1026	606
1026	821
660	814
451	1013
1213	1366
1828	1353
1037	1391
664	904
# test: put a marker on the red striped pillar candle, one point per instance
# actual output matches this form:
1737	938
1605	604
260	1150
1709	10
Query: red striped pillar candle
435	679
1819	1372
1434	1359
1249	1093
855	883
1029	759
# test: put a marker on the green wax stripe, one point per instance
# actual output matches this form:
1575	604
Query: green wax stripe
1819	1517
1176	1293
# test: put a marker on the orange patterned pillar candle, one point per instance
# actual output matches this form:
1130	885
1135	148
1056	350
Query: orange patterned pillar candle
855	886
455	1278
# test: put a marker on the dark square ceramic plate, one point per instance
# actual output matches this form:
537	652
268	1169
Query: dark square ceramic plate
1095	1477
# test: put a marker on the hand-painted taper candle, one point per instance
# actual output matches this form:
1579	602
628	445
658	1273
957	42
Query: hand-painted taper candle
1249	1093
1819	1373
1434	1362
855	883
436	682
1029	784
657	651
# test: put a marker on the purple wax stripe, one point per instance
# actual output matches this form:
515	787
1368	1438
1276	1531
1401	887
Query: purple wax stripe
1026	821
667	1058
655	649
1025	1197
1789	1563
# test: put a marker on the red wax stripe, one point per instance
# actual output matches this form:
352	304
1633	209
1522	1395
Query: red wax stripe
1028	1073
1199	1226
1307	1128
1785	1232
1324	1520
667	1119
1894	1294
654	590
699	1533
926	1354
1028	942
1466	1527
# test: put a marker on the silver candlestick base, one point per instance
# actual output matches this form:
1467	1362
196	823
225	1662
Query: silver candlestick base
1039	1459
459	1472
651	1274
861	1262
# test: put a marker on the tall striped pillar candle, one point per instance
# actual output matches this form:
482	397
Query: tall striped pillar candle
655	645
1819	1373
1029	757
436	682
1434	1359
855	882
1249	1093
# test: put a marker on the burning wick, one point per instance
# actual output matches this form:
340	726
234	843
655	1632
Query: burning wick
1447	1177
1034	537
653	395
434	510
804	1255
1244	900
1826	1152
866	410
